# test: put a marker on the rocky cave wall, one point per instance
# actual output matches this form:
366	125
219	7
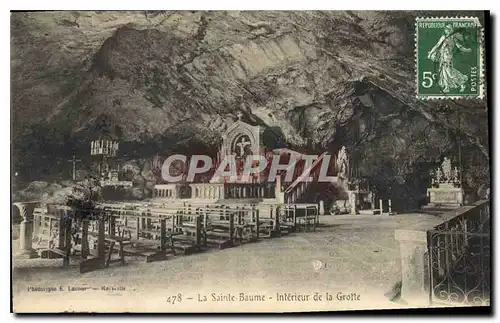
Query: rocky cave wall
165	82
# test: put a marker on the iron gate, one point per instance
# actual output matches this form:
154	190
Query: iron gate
459	257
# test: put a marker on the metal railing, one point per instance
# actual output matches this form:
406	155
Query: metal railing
459	258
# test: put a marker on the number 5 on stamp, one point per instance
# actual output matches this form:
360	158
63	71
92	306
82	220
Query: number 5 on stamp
449	58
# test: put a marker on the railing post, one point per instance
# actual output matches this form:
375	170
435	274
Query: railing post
277	219
85	239
138	227
231	227
222	191
67	240
101	244
413	247
62	230
163	235
321	207
198	231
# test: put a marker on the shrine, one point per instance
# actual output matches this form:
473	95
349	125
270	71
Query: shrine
105	150
445	190
239	140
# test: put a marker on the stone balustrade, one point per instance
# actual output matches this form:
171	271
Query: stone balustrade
231	190
211	191
170	191
255	190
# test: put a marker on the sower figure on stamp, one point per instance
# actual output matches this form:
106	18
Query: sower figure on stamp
442	53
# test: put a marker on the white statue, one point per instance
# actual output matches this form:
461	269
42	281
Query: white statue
455	175
343	163
446	166
438	175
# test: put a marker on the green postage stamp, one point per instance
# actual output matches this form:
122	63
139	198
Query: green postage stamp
449	58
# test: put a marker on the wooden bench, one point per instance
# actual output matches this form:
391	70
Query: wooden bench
112	242
288	221
218	226
306	217
153	239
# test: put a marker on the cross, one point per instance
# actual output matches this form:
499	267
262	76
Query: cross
242	144
74	161
239	115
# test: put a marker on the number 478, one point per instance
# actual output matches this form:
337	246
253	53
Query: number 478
428	79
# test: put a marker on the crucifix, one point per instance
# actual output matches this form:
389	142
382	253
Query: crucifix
242	144
74	161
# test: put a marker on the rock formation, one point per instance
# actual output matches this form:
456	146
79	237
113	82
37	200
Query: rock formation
166	82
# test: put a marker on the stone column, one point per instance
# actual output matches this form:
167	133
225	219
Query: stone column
413	248
321	207
277	189
352	202
26	250
381	206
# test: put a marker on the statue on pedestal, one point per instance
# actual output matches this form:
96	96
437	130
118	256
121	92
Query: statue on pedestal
447	172
343	163
439	176
445	190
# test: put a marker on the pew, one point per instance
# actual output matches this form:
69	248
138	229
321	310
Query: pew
190	237
218	226
267	220
246	224
306	217
149	235
101	229
60	229
159	231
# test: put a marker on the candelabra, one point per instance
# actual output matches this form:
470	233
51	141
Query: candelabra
104	149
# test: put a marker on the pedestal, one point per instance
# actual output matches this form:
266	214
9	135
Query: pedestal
26	250
321	207
446	195
280	196
353	199
413	248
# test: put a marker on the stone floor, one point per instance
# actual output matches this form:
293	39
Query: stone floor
347	255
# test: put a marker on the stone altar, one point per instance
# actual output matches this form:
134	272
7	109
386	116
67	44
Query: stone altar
445	190
445	195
